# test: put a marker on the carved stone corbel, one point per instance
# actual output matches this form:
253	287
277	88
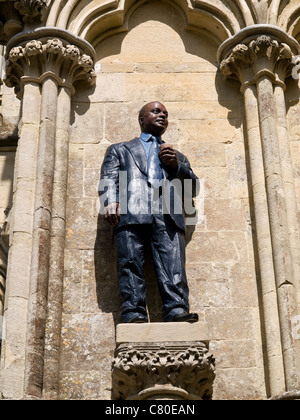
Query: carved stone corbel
163	371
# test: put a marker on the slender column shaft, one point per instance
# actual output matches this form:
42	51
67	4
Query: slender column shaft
41	243
273	354
3	267
283	263
291	207
58	224
18	274
288	183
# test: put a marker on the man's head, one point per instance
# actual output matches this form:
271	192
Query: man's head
153	118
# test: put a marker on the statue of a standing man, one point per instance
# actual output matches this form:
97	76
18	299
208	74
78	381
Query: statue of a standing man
149	166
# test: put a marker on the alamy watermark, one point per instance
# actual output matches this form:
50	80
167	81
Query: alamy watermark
169	197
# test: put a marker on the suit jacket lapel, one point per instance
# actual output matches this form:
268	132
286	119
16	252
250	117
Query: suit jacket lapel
136	149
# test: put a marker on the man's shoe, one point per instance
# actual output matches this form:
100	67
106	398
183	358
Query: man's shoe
139	319
185	317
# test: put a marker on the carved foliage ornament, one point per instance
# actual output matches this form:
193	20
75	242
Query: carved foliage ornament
263	54
66	62
13	14
10	21
31	10
190	369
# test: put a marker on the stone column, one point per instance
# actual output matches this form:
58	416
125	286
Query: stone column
3	267
261	58
1	76
43	66
162	361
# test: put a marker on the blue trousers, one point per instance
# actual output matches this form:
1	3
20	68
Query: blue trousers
168	249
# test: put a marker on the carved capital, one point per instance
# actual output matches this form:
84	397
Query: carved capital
237	65
13	14
262	56
31	10
169	371
45	56
10	21
268	55
256	51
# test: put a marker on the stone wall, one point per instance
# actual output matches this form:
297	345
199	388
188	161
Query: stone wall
227	109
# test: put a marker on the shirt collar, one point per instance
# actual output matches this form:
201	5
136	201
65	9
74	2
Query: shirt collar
146	137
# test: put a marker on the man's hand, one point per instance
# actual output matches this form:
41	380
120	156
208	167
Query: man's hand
112	214
169	156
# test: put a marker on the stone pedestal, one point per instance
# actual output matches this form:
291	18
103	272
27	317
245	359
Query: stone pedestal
162	361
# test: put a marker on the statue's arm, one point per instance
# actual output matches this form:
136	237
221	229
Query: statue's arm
185	172
109	185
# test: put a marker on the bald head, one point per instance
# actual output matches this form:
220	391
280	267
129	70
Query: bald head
153	118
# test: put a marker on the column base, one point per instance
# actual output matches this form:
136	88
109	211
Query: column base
162	361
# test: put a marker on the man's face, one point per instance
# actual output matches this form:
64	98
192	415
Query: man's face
155	119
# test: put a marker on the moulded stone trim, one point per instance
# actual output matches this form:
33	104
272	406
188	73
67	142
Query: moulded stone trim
219	20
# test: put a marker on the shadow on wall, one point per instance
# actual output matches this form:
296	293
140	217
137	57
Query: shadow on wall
151	41
106	276
292	93
230	97
105	270
81	101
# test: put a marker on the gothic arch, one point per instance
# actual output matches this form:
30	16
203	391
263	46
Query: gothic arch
289	20
219	19
94	21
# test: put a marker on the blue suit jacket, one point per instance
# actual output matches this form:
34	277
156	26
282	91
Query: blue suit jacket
128	159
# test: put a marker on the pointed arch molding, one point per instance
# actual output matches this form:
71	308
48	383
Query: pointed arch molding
219	19
97	20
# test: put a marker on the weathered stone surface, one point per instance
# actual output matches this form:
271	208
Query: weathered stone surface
161	332
228	136
169	370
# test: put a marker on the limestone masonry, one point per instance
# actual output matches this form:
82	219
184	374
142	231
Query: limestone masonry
73	77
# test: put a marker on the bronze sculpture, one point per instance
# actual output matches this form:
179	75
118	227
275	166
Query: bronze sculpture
135	176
